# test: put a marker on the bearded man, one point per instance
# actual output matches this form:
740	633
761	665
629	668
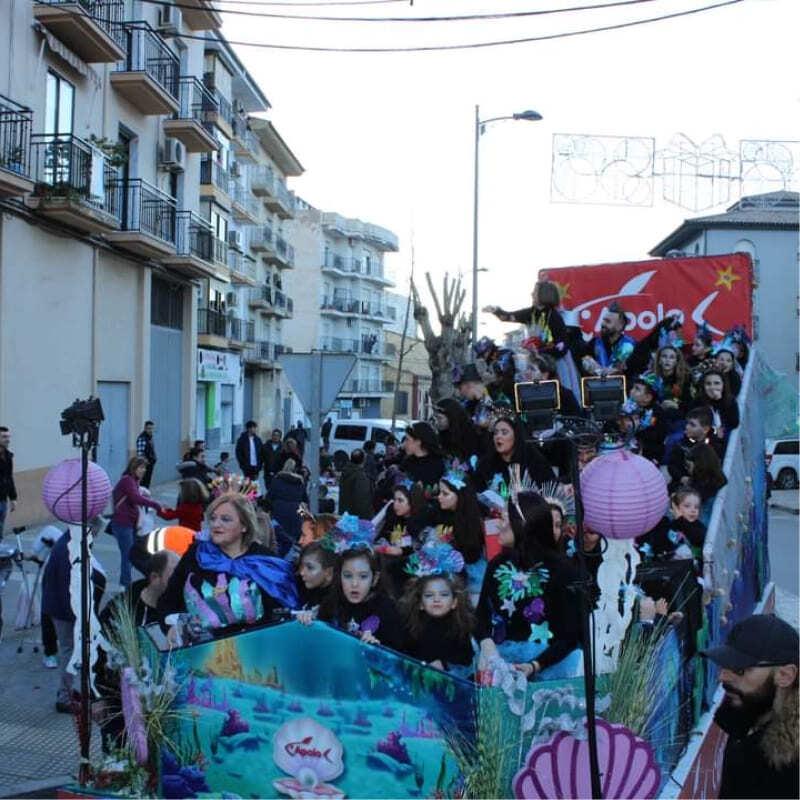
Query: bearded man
758	671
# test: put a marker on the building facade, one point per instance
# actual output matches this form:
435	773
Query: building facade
343	306
766	227
115	266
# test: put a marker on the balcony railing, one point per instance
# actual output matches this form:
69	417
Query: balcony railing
148	52
219	250
262	180
260	351
68	168
235	329
284	250
15	137
262	238
213	173
247	144
362	346
245	199
345	305
280	349
284	195
77	33
196	102
368	386
261	295
194	236
210	322
144	208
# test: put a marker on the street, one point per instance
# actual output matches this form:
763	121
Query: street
783	554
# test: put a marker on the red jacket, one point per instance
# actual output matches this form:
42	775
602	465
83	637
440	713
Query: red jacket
189	515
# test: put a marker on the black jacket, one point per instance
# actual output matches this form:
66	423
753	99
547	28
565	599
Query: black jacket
438	640
271	457
427	469
243	452
355	492
746	770
533	460
386	626
286	492
8	491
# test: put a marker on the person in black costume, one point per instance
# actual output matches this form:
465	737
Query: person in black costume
315	574
423	461
458	437
510	448
715	393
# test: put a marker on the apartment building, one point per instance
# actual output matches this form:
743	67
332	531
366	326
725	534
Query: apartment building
343	309
114	263
242	308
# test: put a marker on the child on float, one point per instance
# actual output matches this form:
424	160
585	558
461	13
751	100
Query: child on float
642	416
438	619
697	430
314	527
715	393
680	535
457	521
357	602
706	476
701	357
315	574
729	354
528	613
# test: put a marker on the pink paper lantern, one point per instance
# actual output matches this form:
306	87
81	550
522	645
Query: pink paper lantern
624	495
61	490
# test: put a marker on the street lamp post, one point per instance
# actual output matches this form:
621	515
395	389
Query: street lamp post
480	126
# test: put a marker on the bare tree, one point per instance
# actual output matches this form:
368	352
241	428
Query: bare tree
450	346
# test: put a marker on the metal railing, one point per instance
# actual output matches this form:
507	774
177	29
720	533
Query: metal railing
245	199
346	305
284	250
285	197
67	167
260	351
142	207
15	137
262	179
368	386
194	236
225	108
280	349
210	322
213	173
148	52
108	14
196	102
219	250
261	237
363	346
261	294
244	134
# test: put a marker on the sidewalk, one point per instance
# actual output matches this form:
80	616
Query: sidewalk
787	500
39	746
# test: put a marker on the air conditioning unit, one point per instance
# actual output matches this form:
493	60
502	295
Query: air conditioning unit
173	157
169	20
232	300
235	239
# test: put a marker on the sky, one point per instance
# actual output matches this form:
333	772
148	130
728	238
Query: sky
389	138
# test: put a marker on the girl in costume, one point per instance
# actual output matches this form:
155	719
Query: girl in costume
423	461
437	616
457	435
230	581
673	376
357	602
642	417
700	358
678	536
315	574
730	357
400	531
705	476
509	448
529	608
313	528
715	393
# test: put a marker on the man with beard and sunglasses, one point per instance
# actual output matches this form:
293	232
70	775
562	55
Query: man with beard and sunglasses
608	353
758	671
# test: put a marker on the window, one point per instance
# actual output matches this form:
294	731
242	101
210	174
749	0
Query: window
380	435
350	433
166	304
402	402
789	448
59	105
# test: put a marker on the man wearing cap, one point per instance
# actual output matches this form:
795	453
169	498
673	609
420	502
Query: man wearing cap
758	671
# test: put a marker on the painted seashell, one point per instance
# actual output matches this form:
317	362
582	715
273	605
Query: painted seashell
307	750
560	768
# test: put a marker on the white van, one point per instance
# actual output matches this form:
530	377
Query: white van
350	434
783	462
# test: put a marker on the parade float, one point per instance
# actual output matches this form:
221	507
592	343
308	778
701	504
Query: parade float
289	710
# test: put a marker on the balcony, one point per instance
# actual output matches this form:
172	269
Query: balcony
211	328
201	15
260	354
237	331
243	269
340	306
148	76
262	239
194	255
245	144
215	182
15	149
262	181
365	386
261	298
366	346
222	117
281	201
149	218
283	305
245	206
283	255
92	29
71	179
190	124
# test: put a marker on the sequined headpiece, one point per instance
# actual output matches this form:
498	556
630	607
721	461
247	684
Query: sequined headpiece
435	558
349	533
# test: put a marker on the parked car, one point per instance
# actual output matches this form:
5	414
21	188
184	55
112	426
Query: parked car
783	462
350	434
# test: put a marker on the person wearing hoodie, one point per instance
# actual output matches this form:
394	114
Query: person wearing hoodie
355	488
